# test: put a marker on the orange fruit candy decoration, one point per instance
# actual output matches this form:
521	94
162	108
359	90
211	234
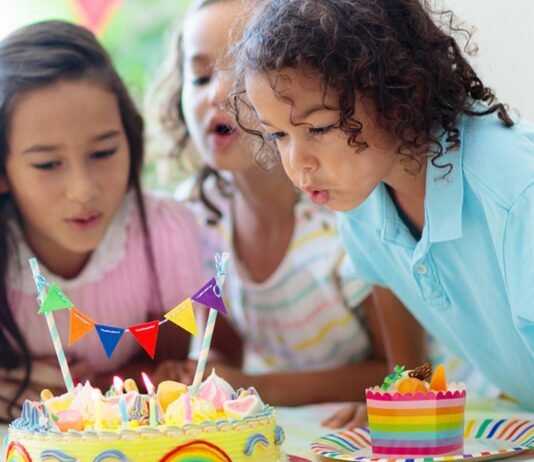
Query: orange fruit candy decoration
411	385
439	380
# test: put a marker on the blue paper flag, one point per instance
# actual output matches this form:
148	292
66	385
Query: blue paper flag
109	336
210	295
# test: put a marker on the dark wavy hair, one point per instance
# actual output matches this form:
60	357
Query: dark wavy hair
166	95
32	57
388	50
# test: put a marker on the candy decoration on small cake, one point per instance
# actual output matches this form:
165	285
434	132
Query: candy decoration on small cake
410	417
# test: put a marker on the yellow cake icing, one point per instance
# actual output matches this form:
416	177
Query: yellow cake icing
36	435
222	440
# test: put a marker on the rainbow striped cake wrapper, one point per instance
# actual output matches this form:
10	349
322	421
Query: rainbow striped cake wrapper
424	424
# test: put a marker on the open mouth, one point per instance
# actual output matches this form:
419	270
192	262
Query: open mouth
223	129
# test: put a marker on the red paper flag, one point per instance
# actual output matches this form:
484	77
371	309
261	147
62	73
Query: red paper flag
147	335
80	325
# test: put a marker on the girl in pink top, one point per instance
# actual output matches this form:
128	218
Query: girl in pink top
71	153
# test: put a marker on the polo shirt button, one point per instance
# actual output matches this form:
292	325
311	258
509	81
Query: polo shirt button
421	268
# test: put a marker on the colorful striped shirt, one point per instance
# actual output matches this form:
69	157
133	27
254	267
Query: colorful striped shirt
307	314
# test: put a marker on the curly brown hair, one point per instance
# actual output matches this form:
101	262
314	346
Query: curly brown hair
388	50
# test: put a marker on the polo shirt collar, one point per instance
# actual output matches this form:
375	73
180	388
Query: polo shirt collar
443	200
444	194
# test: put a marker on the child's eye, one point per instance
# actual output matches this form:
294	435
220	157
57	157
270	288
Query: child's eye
47	165
104	154
276	135
321	130
202	80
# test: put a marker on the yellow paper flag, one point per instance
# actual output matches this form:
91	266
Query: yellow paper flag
80	324
184	316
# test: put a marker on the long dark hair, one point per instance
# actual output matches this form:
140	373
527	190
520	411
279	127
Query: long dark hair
36	56
388	50
166	95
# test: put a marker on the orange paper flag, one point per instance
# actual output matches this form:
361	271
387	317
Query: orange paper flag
184	316
80	324
147	335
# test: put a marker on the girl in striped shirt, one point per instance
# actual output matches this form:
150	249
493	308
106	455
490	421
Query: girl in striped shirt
309	330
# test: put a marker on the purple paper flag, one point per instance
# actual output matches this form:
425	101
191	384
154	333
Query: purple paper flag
109	336
210	295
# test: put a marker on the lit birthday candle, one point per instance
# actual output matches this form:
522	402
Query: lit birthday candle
152	416
118	384
96	395
150	388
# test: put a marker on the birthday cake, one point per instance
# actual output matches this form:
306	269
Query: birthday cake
411	417
170	424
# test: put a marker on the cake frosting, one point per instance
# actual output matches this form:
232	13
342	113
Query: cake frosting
218	424
411	417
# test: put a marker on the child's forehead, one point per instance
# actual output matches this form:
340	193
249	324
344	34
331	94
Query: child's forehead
297	84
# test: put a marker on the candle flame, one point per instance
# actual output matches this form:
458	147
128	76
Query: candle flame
118	384
148	384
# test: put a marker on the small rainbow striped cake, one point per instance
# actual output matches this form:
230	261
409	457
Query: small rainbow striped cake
409	417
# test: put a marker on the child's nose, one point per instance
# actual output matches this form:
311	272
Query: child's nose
81	185
221	89
300	158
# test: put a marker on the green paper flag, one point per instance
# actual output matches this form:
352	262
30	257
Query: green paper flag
55	300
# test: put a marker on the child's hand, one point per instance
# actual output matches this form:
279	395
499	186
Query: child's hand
353	415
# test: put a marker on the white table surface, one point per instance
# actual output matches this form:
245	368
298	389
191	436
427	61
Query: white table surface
302	424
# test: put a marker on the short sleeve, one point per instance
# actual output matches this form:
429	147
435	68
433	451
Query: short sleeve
356	251
176	242
519	264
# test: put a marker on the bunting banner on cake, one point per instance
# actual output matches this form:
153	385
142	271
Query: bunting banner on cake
210	295
55	300
109	336
184	316
95	14
80	325
147	335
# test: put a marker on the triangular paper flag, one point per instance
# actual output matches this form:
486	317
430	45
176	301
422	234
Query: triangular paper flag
55	300
80	325
184	316
210	295
147	335
109	336
95	14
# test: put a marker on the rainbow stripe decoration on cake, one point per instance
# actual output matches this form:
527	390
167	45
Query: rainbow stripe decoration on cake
257	439
429	424
16	452
53	455
197	451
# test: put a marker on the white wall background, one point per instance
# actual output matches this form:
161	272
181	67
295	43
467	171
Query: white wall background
505	37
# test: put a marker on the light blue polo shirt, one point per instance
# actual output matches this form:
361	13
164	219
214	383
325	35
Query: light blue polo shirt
470	278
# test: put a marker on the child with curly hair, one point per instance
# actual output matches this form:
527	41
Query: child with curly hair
377	114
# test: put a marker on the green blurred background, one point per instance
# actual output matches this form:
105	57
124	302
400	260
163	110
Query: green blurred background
136	33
